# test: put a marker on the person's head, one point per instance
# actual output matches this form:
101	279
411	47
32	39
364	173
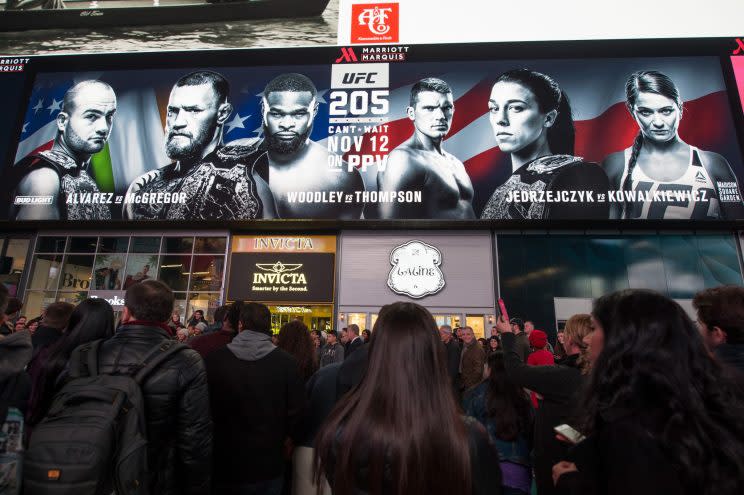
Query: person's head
652	363
517	325
198	315
331	337
345	335
57	315
655	103
493	343
33	325
256	318
561	337
86	118
197	110
720	313
182	334
527	110
538	339
506	402
403	405
92	319
366	335
353	331
294	338
20	323
231	321
315	336
576	335
290	103
175	317
458	333
528	327
468	337
149	300
13	307
445	333
431	107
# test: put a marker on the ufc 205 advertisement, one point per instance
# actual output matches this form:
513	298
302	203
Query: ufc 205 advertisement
460	132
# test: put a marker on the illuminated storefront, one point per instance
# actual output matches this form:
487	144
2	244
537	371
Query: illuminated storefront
452	275
293	275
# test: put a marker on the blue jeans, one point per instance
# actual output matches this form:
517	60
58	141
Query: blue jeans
268	487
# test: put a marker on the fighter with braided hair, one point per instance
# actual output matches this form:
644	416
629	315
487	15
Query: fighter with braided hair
660	176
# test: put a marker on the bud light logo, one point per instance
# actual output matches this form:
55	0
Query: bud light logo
374	23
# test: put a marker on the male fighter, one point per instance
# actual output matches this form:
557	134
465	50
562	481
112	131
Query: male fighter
297	164
421	164
207	180
61	175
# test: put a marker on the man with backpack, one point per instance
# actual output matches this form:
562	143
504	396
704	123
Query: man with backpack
179	425
148	389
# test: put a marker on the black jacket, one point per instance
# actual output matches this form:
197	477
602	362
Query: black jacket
15	384
453	351
353	346
560	388
179	426
620	459
256	405
732	356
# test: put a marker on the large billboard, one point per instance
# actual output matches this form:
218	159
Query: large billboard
498	132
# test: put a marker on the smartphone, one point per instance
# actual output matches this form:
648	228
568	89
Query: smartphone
570	433
502	308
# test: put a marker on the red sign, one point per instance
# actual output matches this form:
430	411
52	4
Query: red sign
374	23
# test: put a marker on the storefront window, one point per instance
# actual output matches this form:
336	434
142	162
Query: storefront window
46	271
315	317
12	262
174	271
139	268
451	320
207	273
359	319
477	323
114	263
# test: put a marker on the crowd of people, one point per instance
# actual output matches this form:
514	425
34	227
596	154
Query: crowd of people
632	398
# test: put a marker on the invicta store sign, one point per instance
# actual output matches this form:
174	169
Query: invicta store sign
279	277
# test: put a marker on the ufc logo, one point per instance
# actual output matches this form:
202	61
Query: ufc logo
347	55
354	78
740	46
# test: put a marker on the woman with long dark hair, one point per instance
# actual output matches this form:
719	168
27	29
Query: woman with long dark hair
400	431
92	319
294	338
531	120
661	415
659	160
504	409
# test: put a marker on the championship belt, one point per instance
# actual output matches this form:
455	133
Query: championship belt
523	195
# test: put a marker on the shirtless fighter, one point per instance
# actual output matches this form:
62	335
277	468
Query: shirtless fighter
296	163
421	164
207	180
83	127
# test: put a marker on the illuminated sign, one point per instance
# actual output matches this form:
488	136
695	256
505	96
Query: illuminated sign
114	297
416	270
281	277
386	133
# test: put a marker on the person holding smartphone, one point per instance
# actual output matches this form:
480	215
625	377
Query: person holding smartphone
660	414
558	385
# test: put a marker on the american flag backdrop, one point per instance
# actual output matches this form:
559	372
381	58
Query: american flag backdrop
594	87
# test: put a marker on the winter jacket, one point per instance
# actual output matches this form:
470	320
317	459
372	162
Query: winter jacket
179	426
471	365
15	384
257	398
559	387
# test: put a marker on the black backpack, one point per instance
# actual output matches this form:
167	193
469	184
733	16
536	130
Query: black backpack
93	440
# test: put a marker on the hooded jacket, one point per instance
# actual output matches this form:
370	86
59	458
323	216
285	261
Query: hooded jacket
15	384
257	396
